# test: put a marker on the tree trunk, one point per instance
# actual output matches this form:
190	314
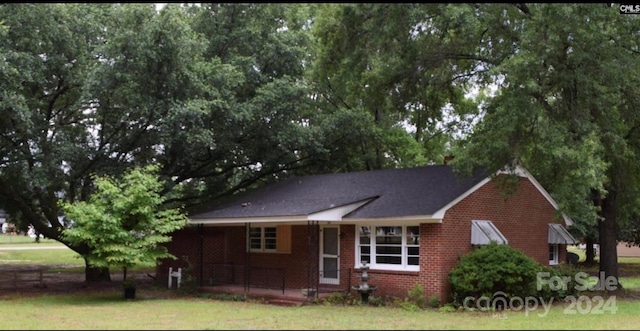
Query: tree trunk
95	274
608	241
590	241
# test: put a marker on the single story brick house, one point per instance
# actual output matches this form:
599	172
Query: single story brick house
409	225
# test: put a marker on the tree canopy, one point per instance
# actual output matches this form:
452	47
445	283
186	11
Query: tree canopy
225	97
212	93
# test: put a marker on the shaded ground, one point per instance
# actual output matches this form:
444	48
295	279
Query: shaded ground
56	280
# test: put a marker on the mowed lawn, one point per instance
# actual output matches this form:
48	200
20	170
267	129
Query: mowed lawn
159	308
108	311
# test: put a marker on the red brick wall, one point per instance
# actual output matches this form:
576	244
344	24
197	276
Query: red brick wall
219	245
522	218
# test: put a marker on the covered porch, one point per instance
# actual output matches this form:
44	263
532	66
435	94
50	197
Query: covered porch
225	263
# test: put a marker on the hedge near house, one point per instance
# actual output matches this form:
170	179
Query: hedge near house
491	269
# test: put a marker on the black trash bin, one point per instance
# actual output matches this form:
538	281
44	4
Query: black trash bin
572	258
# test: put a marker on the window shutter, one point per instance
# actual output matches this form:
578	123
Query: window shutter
283	239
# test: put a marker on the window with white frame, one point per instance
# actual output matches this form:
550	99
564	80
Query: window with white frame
262	239
389	247
553	254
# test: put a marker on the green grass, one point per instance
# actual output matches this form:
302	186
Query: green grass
40	256
108	311
21	239
160	308
21	254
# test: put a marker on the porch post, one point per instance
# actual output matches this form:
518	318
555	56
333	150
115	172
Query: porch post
313	240
317	259
201	252
308	254
247	255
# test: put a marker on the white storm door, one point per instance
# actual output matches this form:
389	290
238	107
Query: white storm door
329	255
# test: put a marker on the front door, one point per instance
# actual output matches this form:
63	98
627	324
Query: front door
329	255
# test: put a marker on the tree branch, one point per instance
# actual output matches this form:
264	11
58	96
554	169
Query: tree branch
523	8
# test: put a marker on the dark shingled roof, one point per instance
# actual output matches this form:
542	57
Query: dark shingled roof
395	193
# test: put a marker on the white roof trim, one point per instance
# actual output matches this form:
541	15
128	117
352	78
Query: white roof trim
334	214
242	220
416	219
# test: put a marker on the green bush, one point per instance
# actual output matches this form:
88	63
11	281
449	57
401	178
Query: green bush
339	298
224	297
492	269
558	290
414	301
434	302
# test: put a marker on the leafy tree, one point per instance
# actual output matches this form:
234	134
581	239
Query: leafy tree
46	56
93	90
404	77
567	109
123	222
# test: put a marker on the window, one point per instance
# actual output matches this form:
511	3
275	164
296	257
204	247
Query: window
553	254
558	235
389	247
270	239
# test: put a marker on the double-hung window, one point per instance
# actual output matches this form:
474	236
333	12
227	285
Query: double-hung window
269	239
389	247
262	239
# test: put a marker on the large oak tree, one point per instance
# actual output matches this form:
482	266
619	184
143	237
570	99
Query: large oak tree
213	94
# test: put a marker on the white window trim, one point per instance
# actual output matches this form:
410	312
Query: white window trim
262	248
554	261
381	266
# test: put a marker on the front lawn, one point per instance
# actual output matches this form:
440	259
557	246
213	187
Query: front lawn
161	308
108	311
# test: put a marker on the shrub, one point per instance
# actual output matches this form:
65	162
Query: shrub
416	295
565	272
434	302
339	298
448	308
376	301
224	297
494	268
414	301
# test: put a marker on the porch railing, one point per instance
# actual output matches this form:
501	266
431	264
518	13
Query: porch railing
234	274
338	280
